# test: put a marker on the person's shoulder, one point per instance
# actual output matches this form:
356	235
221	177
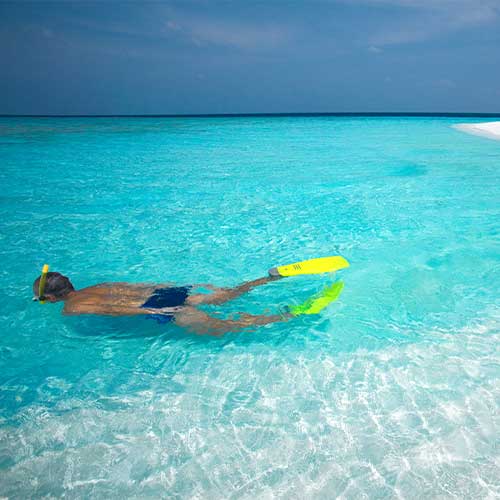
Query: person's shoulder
92	290
100	287
71	305
121	284
81	300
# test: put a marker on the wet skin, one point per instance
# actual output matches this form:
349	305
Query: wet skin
126	299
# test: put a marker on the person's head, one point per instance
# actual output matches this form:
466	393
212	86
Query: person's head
57	287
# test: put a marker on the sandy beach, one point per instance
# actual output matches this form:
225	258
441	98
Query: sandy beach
488	129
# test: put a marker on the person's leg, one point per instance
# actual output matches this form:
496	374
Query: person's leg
202	323
221	295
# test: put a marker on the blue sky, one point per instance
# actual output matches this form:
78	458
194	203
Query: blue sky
203	56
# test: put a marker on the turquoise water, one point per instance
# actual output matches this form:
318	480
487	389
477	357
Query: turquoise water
392	392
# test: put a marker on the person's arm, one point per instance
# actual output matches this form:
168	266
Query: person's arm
112	310
222	295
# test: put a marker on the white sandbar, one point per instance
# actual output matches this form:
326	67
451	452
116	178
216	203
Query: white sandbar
488	129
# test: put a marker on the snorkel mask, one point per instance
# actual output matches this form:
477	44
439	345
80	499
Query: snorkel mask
41	285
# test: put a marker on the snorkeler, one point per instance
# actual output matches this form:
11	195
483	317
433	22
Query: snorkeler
166	302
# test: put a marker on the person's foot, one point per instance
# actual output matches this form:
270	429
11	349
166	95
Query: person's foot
273	273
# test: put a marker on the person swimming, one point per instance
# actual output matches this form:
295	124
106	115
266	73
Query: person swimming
167	302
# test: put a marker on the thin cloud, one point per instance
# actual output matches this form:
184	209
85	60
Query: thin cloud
432	18
470	5
230	33
446	83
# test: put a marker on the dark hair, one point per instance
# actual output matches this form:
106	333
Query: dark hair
56	285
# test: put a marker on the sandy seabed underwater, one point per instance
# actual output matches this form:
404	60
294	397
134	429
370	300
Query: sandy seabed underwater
392	392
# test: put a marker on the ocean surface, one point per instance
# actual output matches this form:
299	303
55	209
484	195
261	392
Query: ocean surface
392	392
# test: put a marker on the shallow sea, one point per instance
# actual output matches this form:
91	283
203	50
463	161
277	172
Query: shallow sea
392	392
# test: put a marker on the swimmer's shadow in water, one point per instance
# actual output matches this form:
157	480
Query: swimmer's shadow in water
130	328
118	328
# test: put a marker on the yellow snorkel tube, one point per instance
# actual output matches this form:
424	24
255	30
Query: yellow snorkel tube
41	285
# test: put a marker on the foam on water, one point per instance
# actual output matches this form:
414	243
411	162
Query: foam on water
391	392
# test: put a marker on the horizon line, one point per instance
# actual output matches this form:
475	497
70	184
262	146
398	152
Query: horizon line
242	115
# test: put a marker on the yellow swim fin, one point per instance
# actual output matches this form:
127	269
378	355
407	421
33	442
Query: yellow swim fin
316	304
312	266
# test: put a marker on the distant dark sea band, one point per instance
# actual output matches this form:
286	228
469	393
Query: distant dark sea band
271	115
